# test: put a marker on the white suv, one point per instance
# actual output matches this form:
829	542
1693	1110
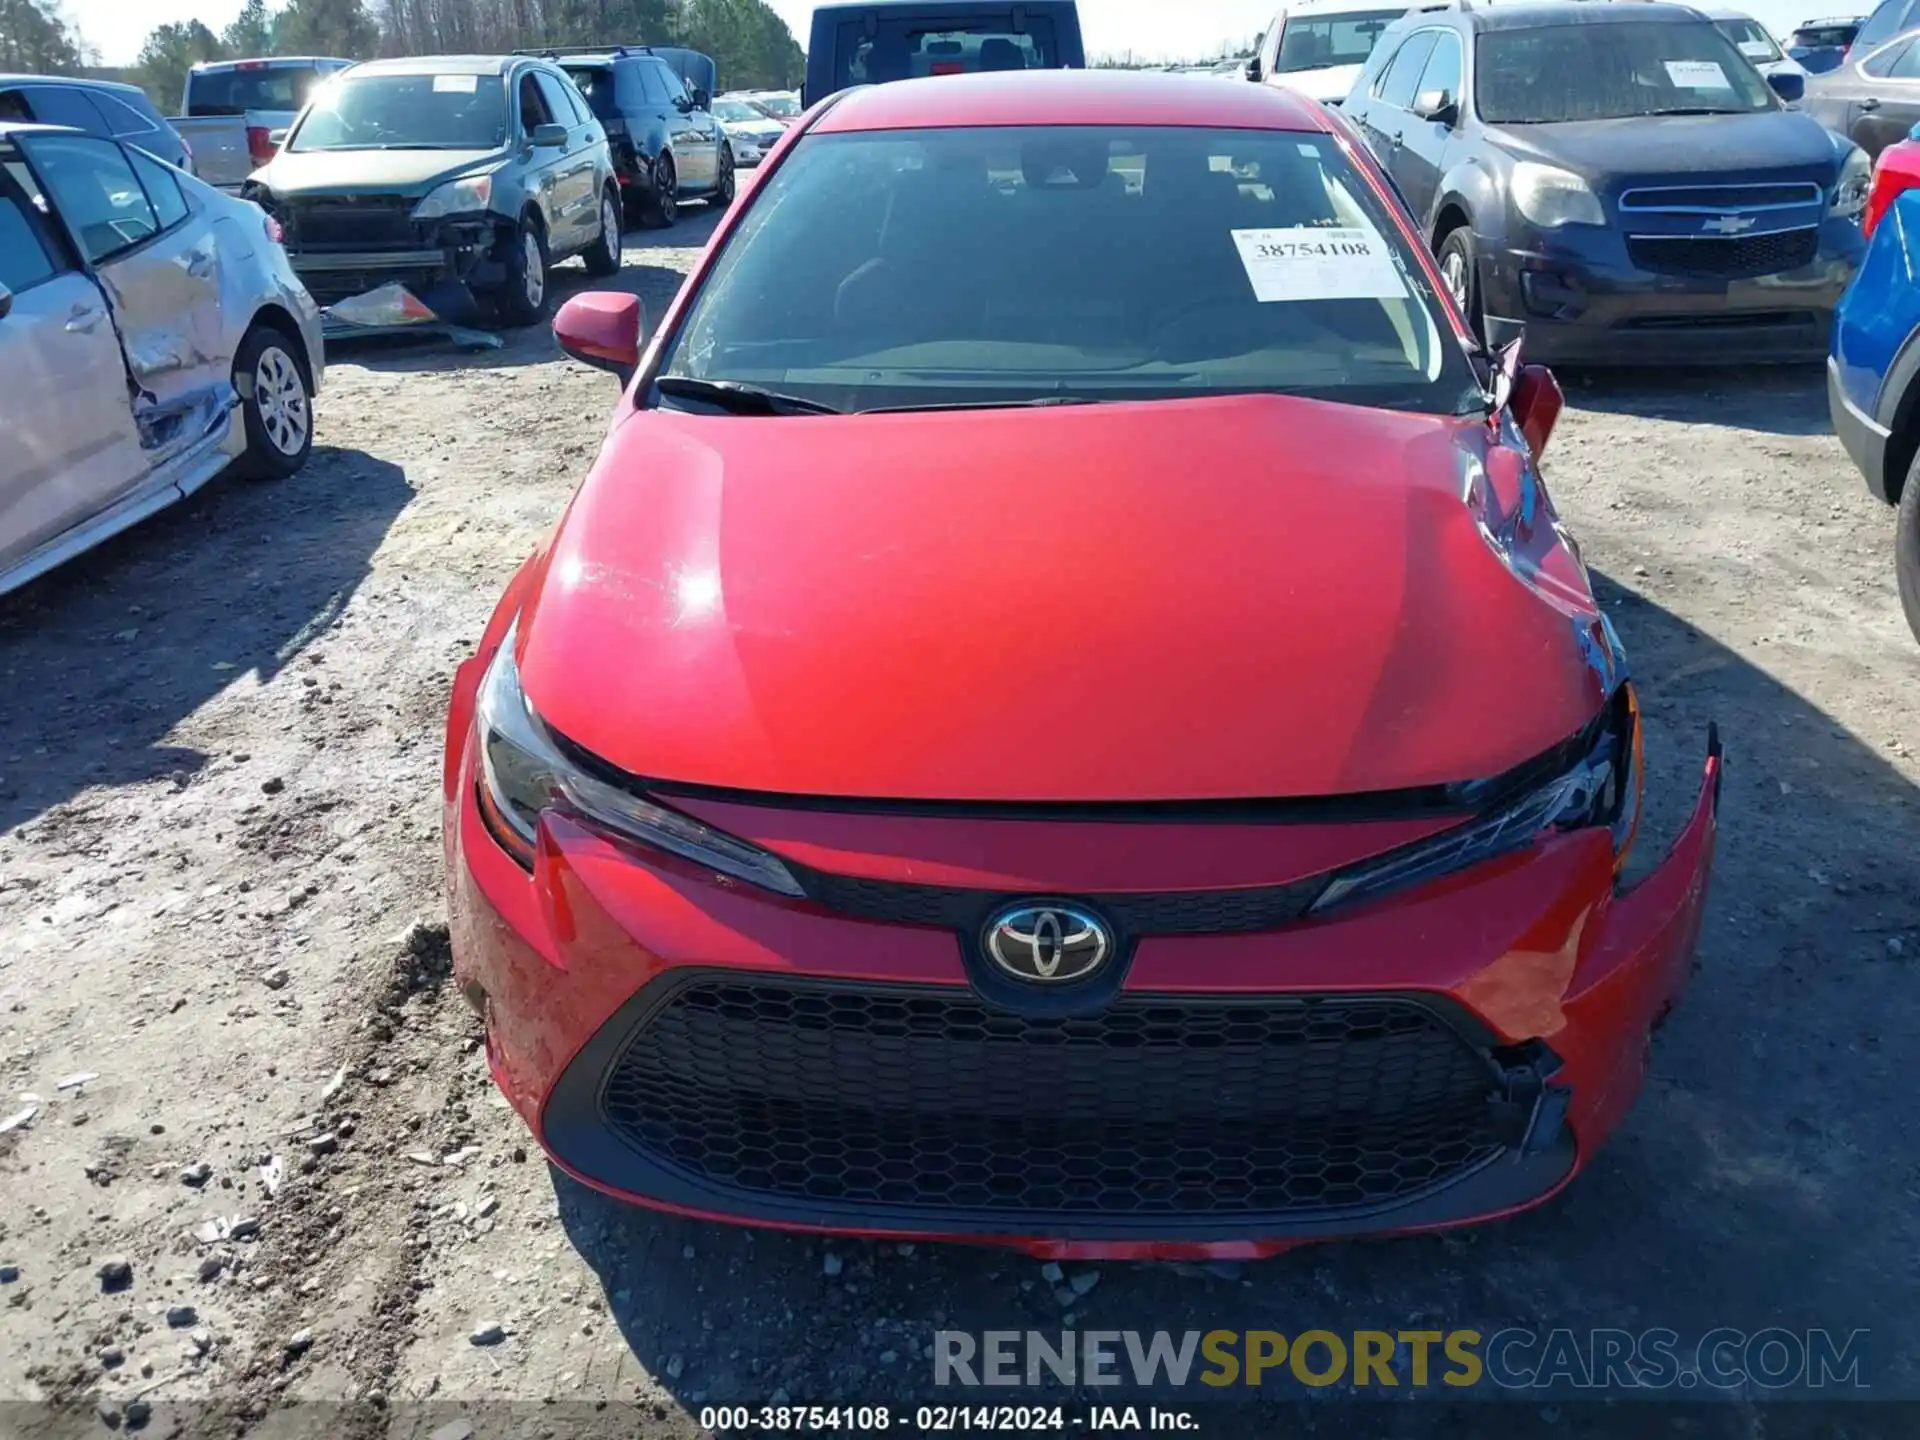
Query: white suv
1318	46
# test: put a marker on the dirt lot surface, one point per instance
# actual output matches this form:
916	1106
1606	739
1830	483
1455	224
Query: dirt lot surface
223	956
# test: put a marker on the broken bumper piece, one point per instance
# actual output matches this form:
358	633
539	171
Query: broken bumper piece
393	309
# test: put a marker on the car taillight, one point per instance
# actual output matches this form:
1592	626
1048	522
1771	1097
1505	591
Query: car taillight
259	146
1896	172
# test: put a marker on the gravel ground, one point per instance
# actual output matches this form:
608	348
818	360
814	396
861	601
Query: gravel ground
223	955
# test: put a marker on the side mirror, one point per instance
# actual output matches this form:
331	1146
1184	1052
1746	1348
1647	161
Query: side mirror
1788	86
604	329
549	137
1253	69
277	138
6	302
1536	406
1438	106
701	99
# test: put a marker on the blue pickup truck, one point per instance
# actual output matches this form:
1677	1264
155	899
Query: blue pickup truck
1873	369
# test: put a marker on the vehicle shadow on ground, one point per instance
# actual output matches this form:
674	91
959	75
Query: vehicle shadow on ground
1775	399
656	285
104	656
1764	1179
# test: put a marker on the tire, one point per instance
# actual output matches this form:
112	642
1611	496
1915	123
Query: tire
661	205
524	296
1906	548
276	403
1461	278
603	257
723	192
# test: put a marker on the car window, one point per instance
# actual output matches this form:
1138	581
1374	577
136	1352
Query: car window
1750	38
96	192
596	85
1558	73
252	85
652	87
1906	65
1014	263
903	49
65	105
1880	64
554	93
122	119
671	83
1314	42
25	259
372	111
1396	86
533	106
163	191
1442	71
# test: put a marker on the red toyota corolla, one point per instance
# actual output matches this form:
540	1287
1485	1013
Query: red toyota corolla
1063	714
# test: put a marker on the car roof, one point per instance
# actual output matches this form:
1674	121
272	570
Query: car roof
1066	97
11	128
1534	14
443	65
267	62
81	80
1315	7
1727	15
930	7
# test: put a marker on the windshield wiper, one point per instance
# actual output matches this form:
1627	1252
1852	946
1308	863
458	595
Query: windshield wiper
739	399
1695	110
1035	403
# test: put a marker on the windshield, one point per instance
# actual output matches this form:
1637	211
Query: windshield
1750	38
1318	41
780	107
1822	37
405	112
267	87
900	49
1010	265
1609	71
738	111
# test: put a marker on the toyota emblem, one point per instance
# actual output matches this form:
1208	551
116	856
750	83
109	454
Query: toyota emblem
1048	944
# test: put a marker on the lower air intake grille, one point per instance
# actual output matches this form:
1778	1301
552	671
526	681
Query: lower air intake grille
1727	257
923	1096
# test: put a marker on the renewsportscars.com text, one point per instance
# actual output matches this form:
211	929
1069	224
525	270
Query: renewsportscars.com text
1446	1360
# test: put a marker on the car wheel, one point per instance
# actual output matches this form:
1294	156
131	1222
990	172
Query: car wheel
521	299
603	256
662	205
1906	548
723	192
276	404
1457	272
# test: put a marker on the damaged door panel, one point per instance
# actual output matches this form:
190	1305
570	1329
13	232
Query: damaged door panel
71	445
161	279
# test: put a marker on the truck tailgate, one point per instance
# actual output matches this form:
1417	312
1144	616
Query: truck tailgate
219	143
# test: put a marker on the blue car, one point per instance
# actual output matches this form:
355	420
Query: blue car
1873	367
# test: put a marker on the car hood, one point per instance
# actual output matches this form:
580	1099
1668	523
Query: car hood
1244	597
410	173
1332	83
1775	144
763	132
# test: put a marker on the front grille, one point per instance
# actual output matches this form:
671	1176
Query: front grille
1181	912
924	1097
1724	256
350	224
1720	199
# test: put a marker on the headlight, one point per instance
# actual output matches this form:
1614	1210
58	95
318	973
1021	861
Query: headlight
523	772
1549	196
456	197
1850	191
1601	788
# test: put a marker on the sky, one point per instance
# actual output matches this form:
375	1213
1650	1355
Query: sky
1153	29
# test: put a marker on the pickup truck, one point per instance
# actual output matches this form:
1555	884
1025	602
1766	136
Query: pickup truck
233	107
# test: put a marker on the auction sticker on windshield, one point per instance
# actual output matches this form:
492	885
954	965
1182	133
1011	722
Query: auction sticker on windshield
1319	262
1753	50
455	84
1697	75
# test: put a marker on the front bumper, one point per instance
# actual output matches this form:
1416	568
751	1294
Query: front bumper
694	1047
465	250
1583	300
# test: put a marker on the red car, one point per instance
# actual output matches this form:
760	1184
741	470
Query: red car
1063	714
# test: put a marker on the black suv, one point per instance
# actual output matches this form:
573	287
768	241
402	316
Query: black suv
1616	181
667	147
